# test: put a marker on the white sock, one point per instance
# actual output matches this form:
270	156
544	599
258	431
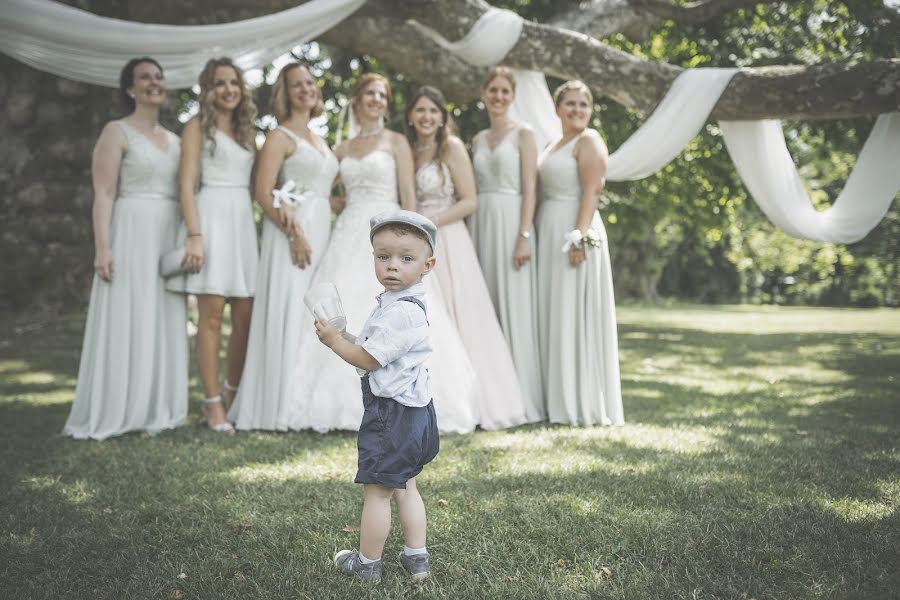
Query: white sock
366	561
413	551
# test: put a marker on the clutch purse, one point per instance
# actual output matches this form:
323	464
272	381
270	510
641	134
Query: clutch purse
170	263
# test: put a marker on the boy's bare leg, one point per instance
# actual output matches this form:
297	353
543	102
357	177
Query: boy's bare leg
375	524
411	510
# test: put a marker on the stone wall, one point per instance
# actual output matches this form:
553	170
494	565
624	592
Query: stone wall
48	126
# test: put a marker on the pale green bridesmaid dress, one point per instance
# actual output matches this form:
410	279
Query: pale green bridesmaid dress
225	211
495	230
134	369
264	399
577	311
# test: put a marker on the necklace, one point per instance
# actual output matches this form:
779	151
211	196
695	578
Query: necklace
424	147
363	134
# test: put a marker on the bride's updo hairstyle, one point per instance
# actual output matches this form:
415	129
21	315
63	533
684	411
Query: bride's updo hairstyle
126	79
572	86
281	101
499	71
363	82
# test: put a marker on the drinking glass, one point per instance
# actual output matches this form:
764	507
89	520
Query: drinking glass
324	302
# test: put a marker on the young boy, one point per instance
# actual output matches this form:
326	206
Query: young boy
398	434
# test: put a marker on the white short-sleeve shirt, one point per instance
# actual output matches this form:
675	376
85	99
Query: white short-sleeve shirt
396	335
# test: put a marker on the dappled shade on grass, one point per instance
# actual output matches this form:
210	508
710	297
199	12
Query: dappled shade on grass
759	458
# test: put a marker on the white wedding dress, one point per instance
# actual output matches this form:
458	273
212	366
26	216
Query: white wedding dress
326	389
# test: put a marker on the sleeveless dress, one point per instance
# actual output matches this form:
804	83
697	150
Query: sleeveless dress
498	397
577	310
495	233
134	368
225	213
326	389
279	316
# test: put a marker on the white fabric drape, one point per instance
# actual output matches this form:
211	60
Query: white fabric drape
761	156
82	46
756	147
486	44
79	45
681	114
675	122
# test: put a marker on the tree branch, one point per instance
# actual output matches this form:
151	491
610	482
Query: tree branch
826	91
603	18
380	28
876	15
693	13
405	48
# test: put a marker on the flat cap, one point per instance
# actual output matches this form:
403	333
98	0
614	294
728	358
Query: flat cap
423	224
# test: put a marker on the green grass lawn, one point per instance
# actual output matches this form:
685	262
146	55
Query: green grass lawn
760	460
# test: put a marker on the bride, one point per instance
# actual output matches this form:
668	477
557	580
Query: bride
376	169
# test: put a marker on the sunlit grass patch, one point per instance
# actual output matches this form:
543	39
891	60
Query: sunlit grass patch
755	319
858	510
8	367
311	467
758	459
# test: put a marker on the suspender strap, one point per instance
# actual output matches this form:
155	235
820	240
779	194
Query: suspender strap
415	300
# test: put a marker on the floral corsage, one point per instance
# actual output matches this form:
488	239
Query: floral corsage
285	195
576	239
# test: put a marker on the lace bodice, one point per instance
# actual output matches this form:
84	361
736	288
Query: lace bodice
558	177
500	169
146	168
228	166
434	189
372	178
311	170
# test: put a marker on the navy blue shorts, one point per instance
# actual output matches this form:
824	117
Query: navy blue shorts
395	441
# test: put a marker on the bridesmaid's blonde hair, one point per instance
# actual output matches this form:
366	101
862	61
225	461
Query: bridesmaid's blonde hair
242	117
281	102
499	71
574	85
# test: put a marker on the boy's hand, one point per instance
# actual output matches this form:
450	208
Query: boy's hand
328	334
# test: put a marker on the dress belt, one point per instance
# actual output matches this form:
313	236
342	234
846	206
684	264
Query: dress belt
146	196
241	186
559	199
509	192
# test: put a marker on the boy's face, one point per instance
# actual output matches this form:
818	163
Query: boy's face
400	260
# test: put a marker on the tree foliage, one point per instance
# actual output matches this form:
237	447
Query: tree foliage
691	231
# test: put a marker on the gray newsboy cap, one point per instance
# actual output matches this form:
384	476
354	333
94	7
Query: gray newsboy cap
423	224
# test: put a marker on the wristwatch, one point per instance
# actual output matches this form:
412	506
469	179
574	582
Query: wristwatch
525	234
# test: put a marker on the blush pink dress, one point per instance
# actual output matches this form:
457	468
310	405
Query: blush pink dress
498	398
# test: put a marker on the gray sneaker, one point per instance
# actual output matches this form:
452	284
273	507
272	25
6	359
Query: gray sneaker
417	565
347	562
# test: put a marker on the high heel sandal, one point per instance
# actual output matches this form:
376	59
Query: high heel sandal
228	394
223	427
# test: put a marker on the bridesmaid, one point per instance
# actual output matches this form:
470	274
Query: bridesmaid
220	235
505	159
133	371
577	309
293	241
445	192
